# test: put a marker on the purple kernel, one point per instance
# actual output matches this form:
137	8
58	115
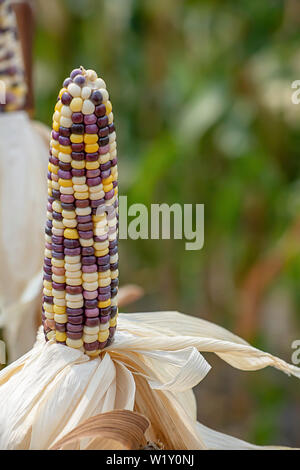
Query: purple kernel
89	269
93	181
75	72
64	140
66	98
64	131
77	118
100	110
91	129
103	132
67	175
96	97
90	119
79	80
92	173
102	121
67	82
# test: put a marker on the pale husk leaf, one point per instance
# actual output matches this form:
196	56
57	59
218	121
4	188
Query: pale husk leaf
23	193
151	367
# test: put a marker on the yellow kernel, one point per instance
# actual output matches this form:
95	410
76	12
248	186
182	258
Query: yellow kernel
103	336
91	148
107	180
81	195
72	234
108	107
90	138
59	309
76	105
65	149
65	183
104	303
60	336
102	252
76	139
92	165
113	321
107	187
55	126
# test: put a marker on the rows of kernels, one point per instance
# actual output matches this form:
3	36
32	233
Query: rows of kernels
81	227
11	62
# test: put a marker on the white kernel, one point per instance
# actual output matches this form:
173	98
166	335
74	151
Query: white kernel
56	116
88	107
79	179
72	259
91	75
74	89
104	94
65	122
100	83
86	92
66	111
91	330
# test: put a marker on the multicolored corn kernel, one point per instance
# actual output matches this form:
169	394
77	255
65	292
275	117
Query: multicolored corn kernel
81	234
13	88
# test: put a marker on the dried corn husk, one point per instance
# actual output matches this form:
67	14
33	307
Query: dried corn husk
118	429
151	368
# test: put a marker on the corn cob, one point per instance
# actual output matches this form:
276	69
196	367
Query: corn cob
81	252
11	62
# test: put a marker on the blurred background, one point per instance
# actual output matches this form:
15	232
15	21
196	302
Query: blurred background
201	92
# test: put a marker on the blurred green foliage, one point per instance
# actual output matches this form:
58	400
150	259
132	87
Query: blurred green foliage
201	93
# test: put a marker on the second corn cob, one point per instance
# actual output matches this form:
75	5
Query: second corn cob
12	79
81	252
